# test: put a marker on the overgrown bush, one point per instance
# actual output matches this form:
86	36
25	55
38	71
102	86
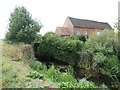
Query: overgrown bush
59	48
97	56
101	52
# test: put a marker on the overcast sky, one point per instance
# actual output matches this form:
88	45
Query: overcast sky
52	13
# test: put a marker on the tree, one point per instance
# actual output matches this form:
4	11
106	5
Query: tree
22	28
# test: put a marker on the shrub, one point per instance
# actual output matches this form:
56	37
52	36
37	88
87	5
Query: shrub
101	52
59	48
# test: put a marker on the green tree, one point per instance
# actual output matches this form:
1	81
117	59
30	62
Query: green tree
22	28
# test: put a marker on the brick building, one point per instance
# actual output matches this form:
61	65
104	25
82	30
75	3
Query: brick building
81	26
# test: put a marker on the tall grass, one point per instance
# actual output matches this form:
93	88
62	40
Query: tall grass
13	52
8	72
18	51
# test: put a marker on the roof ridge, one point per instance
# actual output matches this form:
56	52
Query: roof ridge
86	20
89	23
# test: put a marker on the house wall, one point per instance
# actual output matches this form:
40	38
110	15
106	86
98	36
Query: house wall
68	23
75	30
63	31
89	31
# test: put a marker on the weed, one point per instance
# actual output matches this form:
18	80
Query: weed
36	65
35	74
81	84
57	76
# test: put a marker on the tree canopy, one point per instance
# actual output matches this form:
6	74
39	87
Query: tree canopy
22	28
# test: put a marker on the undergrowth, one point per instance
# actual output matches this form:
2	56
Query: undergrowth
10	78
62	80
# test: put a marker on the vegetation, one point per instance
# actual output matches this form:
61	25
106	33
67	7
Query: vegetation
8	73
35	74
10	77
17	73
64	49
22	28
97	56
63	80
100	53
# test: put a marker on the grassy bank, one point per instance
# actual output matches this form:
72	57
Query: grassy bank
15	67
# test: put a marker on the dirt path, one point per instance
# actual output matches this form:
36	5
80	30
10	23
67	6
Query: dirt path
24	69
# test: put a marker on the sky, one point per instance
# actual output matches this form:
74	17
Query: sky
52	13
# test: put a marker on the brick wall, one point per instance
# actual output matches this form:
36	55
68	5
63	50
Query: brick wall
68	23
89	31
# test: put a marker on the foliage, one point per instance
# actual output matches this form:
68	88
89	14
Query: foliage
59	48
53	74
97	55
101	52
111	68
86	84
56	76
22	28
79	37
35	74
82	38
82	84
36	65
